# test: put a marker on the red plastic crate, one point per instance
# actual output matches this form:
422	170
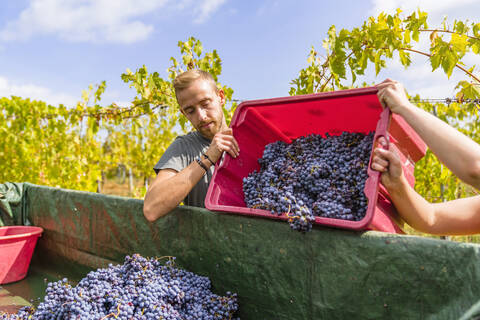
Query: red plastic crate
260	122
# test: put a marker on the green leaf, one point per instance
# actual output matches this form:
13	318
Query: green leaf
404	58
337	64
406	36
459	43
422	17
475	45
364	60
378	62
476	30
85	96
448	63
332	34
415	35
174	62
459	27
198	49
468	90
435	61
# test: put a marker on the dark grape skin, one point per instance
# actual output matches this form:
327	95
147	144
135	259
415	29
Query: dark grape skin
141	288
313	176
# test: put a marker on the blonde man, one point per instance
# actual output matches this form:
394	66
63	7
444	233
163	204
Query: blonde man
185	169
455	150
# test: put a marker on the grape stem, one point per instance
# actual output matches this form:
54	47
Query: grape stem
113	314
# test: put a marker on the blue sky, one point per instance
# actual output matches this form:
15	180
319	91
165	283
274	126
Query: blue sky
53	49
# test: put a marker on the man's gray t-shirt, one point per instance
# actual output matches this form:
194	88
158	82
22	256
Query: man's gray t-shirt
183	151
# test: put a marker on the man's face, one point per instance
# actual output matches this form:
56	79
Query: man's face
202	105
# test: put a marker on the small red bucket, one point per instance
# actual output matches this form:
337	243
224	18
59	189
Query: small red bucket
16	249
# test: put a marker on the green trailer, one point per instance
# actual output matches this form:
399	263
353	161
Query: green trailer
276	272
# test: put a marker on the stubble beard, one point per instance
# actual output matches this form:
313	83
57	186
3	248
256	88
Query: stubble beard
215	127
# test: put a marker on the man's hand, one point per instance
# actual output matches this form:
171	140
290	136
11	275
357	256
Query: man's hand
392	94
223	141
388	163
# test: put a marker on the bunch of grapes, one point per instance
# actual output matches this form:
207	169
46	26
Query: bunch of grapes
139	289
312	176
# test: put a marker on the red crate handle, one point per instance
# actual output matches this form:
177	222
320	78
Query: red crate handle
373	181
381	131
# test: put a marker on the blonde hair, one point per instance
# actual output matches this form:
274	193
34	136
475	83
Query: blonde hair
185	79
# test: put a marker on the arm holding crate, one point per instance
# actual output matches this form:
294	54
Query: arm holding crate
458	152
461	216
455	150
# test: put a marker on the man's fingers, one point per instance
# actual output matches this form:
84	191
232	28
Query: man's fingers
229	142
385	83
383	142
229	147
225	141
233	140
230	151
377	167
380	161
380	153
228	131
381	98
235	144
390	156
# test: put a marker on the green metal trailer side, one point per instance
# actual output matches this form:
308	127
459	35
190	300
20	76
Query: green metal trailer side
278	273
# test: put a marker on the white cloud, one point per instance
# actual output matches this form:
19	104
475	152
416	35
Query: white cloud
266	7
114	21
206	8
35	92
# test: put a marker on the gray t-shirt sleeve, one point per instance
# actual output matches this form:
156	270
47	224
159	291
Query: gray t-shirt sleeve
174	157
183	151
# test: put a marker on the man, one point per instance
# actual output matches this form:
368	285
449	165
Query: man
455	150
185	169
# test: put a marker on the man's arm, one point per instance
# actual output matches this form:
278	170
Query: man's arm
455	150
455	217
170	187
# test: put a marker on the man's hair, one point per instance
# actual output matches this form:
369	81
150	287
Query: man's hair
184	80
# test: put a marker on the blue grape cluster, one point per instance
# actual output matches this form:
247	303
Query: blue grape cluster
139	289
312	176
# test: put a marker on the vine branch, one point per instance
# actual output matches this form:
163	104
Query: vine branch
445	31
429	55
